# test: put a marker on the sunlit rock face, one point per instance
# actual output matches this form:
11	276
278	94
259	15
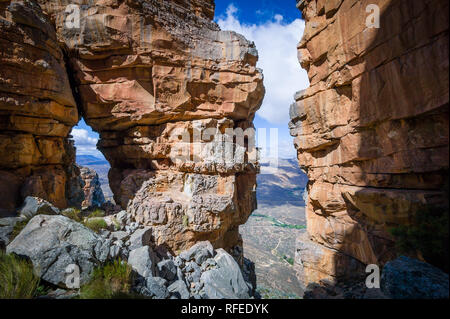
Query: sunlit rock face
371	131
93	194
37	111
147	72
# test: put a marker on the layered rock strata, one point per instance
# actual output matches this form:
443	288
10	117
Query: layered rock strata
93	194
150	76
371	130
37	109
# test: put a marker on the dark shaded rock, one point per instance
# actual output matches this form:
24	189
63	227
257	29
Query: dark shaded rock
141	237
157	287
167	269
5	233
407	278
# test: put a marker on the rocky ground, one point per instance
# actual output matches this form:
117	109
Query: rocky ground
54	240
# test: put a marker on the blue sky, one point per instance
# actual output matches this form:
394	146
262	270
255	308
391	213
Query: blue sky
260	11
276	28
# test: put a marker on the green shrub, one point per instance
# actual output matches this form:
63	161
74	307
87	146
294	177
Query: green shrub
117	225
74	214
96	224
427	234
17	279
97	213
290	260
110	281
42	291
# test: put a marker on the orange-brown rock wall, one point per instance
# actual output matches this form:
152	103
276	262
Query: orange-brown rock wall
371	130
37	110
145	73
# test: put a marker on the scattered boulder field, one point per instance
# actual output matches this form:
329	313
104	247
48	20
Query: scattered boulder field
53	242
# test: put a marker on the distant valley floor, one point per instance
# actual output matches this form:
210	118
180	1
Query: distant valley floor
269	241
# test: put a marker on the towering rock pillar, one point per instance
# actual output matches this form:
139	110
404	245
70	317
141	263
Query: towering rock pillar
371	131
156	77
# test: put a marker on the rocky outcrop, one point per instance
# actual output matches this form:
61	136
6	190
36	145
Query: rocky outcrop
93	194
60	249
371	130
199	273
148	72
53	243
143	74
37	108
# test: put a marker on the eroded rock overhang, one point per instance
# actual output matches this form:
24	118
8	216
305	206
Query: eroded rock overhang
138	71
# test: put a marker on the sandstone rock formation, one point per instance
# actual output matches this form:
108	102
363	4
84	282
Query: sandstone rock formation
371	131
142	74
146	70
37	108
93	194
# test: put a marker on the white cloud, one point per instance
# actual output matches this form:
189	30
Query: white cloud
85	144
284	149
277	46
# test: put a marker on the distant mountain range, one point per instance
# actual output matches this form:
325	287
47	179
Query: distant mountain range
86	160
285	185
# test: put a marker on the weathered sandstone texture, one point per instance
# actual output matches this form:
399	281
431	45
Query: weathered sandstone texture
93	194
371	130
145	73
37	110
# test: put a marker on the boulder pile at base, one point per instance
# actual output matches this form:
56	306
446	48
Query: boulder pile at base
54	242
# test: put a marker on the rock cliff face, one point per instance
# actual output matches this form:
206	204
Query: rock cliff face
372	129
37	109
148	76
93	194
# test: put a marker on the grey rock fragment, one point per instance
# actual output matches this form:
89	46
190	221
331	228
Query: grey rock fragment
143	261
179	289
167	269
